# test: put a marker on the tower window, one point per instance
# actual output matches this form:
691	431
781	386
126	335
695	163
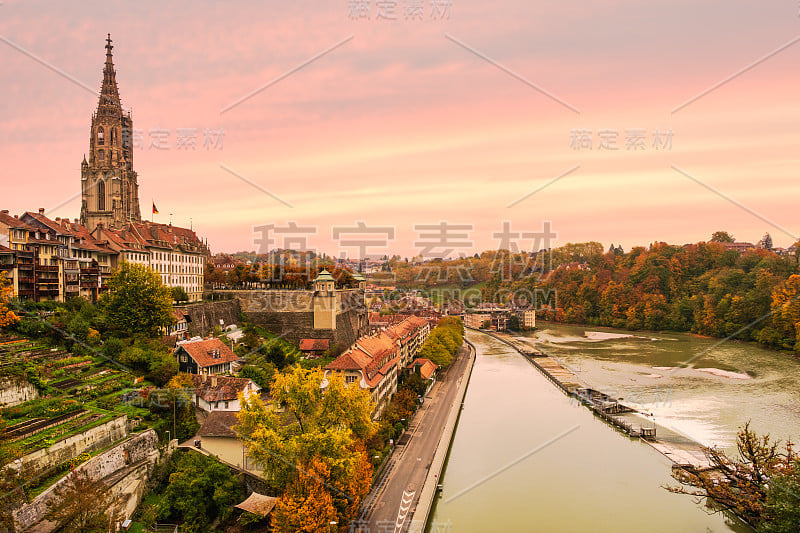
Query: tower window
101	195
100	136
101	156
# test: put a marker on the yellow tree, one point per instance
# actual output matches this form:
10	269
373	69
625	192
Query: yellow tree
320	418
7	316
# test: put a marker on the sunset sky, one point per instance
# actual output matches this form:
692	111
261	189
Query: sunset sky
455	117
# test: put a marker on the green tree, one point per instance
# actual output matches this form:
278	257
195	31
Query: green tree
179	294
782	508
260	374
200	491
722	236
137	301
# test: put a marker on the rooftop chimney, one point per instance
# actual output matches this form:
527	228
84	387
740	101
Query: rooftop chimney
41	210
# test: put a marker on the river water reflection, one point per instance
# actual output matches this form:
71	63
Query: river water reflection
526	458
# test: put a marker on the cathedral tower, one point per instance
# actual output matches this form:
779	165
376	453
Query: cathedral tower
109	188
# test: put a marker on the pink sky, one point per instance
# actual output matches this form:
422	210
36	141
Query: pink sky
401	126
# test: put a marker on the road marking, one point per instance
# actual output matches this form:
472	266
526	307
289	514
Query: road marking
405	506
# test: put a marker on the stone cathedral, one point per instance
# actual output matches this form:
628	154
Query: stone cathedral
109	188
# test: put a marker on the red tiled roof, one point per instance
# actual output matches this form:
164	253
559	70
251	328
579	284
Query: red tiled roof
220	388
352	359
219	424
377	346
426	367
14	222
315	345
200	352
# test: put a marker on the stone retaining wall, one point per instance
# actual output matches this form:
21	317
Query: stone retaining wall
14	391
92	439
138	455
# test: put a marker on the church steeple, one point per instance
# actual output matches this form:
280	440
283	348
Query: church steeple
109	186
109	103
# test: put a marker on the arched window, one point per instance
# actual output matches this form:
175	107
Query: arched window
101	195
100	136
101	156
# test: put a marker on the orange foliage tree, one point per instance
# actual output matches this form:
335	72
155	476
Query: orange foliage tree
7	316
307	504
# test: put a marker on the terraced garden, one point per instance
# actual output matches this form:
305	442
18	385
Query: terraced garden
76	393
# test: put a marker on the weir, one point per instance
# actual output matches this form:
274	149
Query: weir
605	407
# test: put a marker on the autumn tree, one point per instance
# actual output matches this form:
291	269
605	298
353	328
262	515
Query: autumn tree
307	504
322	419
7	317
82	505
786	312
743	484
137	301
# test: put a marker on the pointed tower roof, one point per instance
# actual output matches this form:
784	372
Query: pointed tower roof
109	93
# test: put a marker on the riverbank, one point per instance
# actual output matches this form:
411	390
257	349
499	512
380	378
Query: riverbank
634	332
430	487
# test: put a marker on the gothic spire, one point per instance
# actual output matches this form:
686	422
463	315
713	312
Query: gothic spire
109	93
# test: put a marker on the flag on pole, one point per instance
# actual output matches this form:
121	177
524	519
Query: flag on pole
155	210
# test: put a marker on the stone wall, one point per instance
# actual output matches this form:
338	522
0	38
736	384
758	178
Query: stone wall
289	313
205	315
124	469
16	390
92	439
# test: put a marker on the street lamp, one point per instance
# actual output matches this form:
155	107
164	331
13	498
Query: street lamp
333	525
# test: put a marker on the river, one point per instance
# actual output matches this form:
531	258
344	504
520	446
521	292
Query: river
527	458
728	383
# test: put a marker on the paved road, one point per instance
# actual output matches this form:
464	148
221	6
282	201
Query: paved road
391	504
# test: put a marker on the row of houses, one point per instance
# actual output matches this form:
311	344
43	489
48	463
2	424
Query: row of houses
56	259
374	362
498	318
